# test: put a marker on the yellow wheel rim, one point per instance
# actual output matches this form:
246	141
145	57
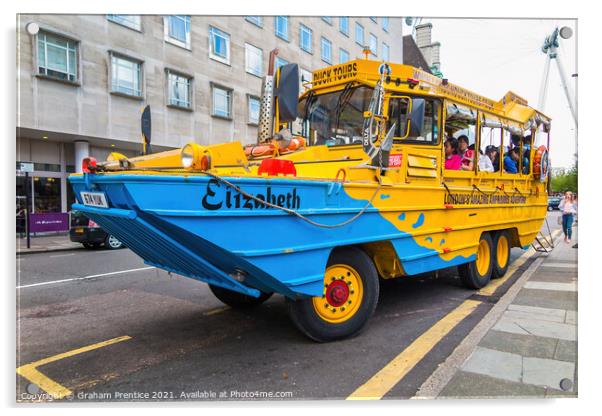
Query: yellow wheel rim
342	296
483	258
502	251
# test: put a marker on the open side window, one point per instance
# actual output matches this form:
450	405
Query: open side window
490	141
511	149
460	131
416	119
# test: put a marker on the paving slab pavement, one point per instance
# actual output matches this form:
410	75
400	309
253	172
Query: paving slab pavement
42	244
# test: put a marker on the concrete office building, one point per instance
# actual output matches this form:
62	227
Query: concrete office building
83	81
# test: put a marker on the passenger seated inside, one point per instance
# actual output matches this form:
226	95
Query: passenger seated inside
496	161
465	153
486	160
511	161
453	161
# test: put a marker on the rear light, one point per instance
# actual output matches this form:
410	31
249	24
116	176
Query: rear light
92	224
275	167
89	165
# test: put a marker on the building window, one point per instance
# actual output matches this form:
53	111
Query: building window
177	30
219	45
385	52
359	34
256	20
253	60
326	50
281	27
343	56
305	38
327	19
222	102
279	62
179	90
57	57
344	25
253	105
385	24
373	44
373	18
129	20
126	76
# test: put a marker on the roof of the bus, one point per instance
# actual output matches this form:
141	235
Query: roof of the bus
511	106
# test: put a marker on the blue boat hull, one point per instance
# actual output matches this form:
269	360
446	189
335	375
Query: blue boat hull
198	227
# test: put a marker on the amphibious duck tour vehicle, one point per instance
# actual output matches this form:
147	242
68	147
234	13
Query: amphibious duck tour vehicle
345	185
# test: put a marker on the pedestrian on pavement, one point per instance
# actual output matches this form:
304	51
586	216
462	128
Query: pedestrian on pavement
568	207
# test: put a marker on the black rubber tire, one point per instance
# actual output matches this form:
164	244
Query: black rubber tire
238	300
110	246
306	319
469	273
497	270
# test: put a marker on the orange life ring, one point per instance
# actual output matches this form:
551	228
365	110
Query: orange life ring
259	150
541	163
295	143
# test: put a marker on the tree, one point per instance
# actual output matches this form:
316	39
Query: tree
566	181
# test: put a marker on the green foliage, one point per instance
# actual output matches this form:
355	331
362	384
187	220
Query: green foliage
566	181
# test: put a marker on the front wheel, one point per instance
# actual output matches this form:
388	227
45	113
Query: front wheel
238	300
477	273
348	301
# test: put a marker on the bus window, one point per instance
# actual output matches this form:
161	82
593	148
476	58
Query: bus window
490	142
335	118
398	113
460	124
511	153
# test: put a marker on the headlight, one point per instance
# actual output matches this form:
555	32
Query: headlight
187	156
193	156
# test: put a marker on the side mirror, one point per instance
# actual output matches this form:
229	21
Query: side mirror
417	117
287	93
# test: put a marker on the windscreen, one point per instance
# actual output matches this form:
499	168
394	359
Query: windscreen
336	118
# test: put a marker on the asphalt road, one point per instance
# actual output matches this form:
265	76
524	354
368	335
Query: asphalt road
183	344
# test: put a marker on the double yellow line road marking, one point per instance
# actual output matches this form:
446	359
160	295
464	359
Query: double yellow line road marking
57	391
392	373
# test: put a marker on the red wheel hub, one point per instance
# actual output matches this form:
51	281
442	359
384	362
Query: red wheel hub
337	293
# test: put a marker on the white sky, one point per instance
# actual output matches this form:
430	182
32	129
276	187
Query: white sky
493	56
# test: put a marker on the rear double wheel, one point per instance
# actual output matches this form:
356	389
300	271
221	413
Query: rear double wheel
348	301
477	273
501	245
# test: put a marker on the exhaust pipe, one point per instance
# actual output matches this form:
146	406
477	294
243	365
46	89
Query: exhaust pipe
265	130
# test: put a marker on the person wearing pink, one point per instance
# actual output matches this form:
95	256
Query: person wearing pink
453	161
466	155
568	207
